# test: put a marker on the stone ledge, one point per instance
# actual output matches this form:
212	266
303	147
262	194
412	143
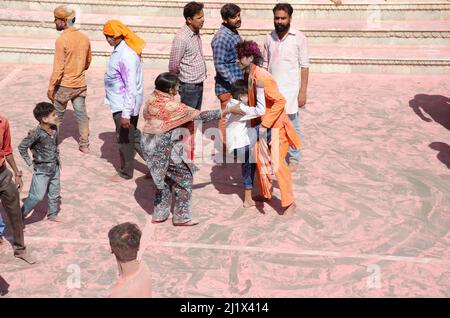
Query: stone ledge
442	34
313	60
255	5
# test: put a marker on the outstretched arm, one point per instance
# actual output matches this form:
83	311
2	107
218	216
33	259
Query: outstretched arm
260	108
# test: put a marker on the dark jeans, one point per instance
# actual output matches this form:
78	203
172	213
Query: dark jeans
129	140
10	201
42	183
248	165
192	94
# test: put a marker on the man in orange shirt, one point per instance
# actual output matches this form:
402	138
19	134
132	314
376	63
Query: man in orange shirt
275	127
68	83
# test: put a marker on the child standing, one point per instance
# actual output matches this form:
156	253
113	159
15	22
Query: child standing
42	141
241	137
164	151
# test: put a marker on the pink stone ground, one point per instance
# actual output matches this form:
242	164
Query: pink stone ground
373	195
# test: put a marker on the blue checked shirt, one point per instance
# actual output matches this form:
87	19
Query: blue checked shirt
225	59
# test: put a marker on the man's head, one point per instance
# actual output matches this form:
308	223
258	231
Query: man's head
248	53
64	17
113	41
167	83
193	13
282	16
45	113
239	90
231	15
125	240
112	30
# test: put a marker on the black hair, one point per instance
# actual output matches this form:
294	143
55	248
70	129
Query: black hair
42	110
284	7
192	8
165	81
240	87
229	10
125	240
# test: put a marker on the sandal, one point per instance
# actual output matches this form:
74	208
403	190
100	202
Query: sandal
157	222
188	223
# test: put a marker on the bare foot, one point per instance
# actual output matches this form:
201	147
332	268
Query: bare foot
293	167
249	203
290	210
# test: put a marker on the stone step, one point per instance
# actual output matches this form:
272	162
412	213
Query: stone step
402	59
339	32
303	10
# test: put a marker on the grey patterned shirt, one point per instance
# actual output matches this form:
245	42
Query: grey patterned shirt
43	146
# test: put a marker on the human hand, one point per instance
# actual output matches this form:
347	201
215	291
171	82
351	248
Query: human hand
19	182
51	94
125	123
301	99
236	110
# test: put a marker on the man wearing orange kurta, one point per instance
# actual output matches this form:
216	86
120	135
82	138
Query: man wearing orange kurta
275	122
68	82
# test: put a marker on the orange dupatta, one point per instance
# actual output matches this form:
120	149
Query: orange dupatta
264	172
275	117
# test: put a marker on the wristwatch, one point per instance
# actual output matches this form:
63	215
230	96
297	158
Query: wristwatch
18	174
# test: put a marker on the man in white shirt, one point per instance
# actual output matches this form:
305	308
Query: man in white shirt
124	88
286	58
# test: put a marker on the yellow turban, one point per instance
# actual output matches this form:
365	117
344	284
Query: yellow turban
115	28
64	12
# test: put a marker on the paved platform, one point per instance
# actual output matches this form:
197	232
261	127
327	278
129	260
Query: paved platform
373	195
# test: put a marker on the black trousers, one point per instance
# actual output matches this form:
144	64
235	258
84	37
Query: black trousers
129	140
